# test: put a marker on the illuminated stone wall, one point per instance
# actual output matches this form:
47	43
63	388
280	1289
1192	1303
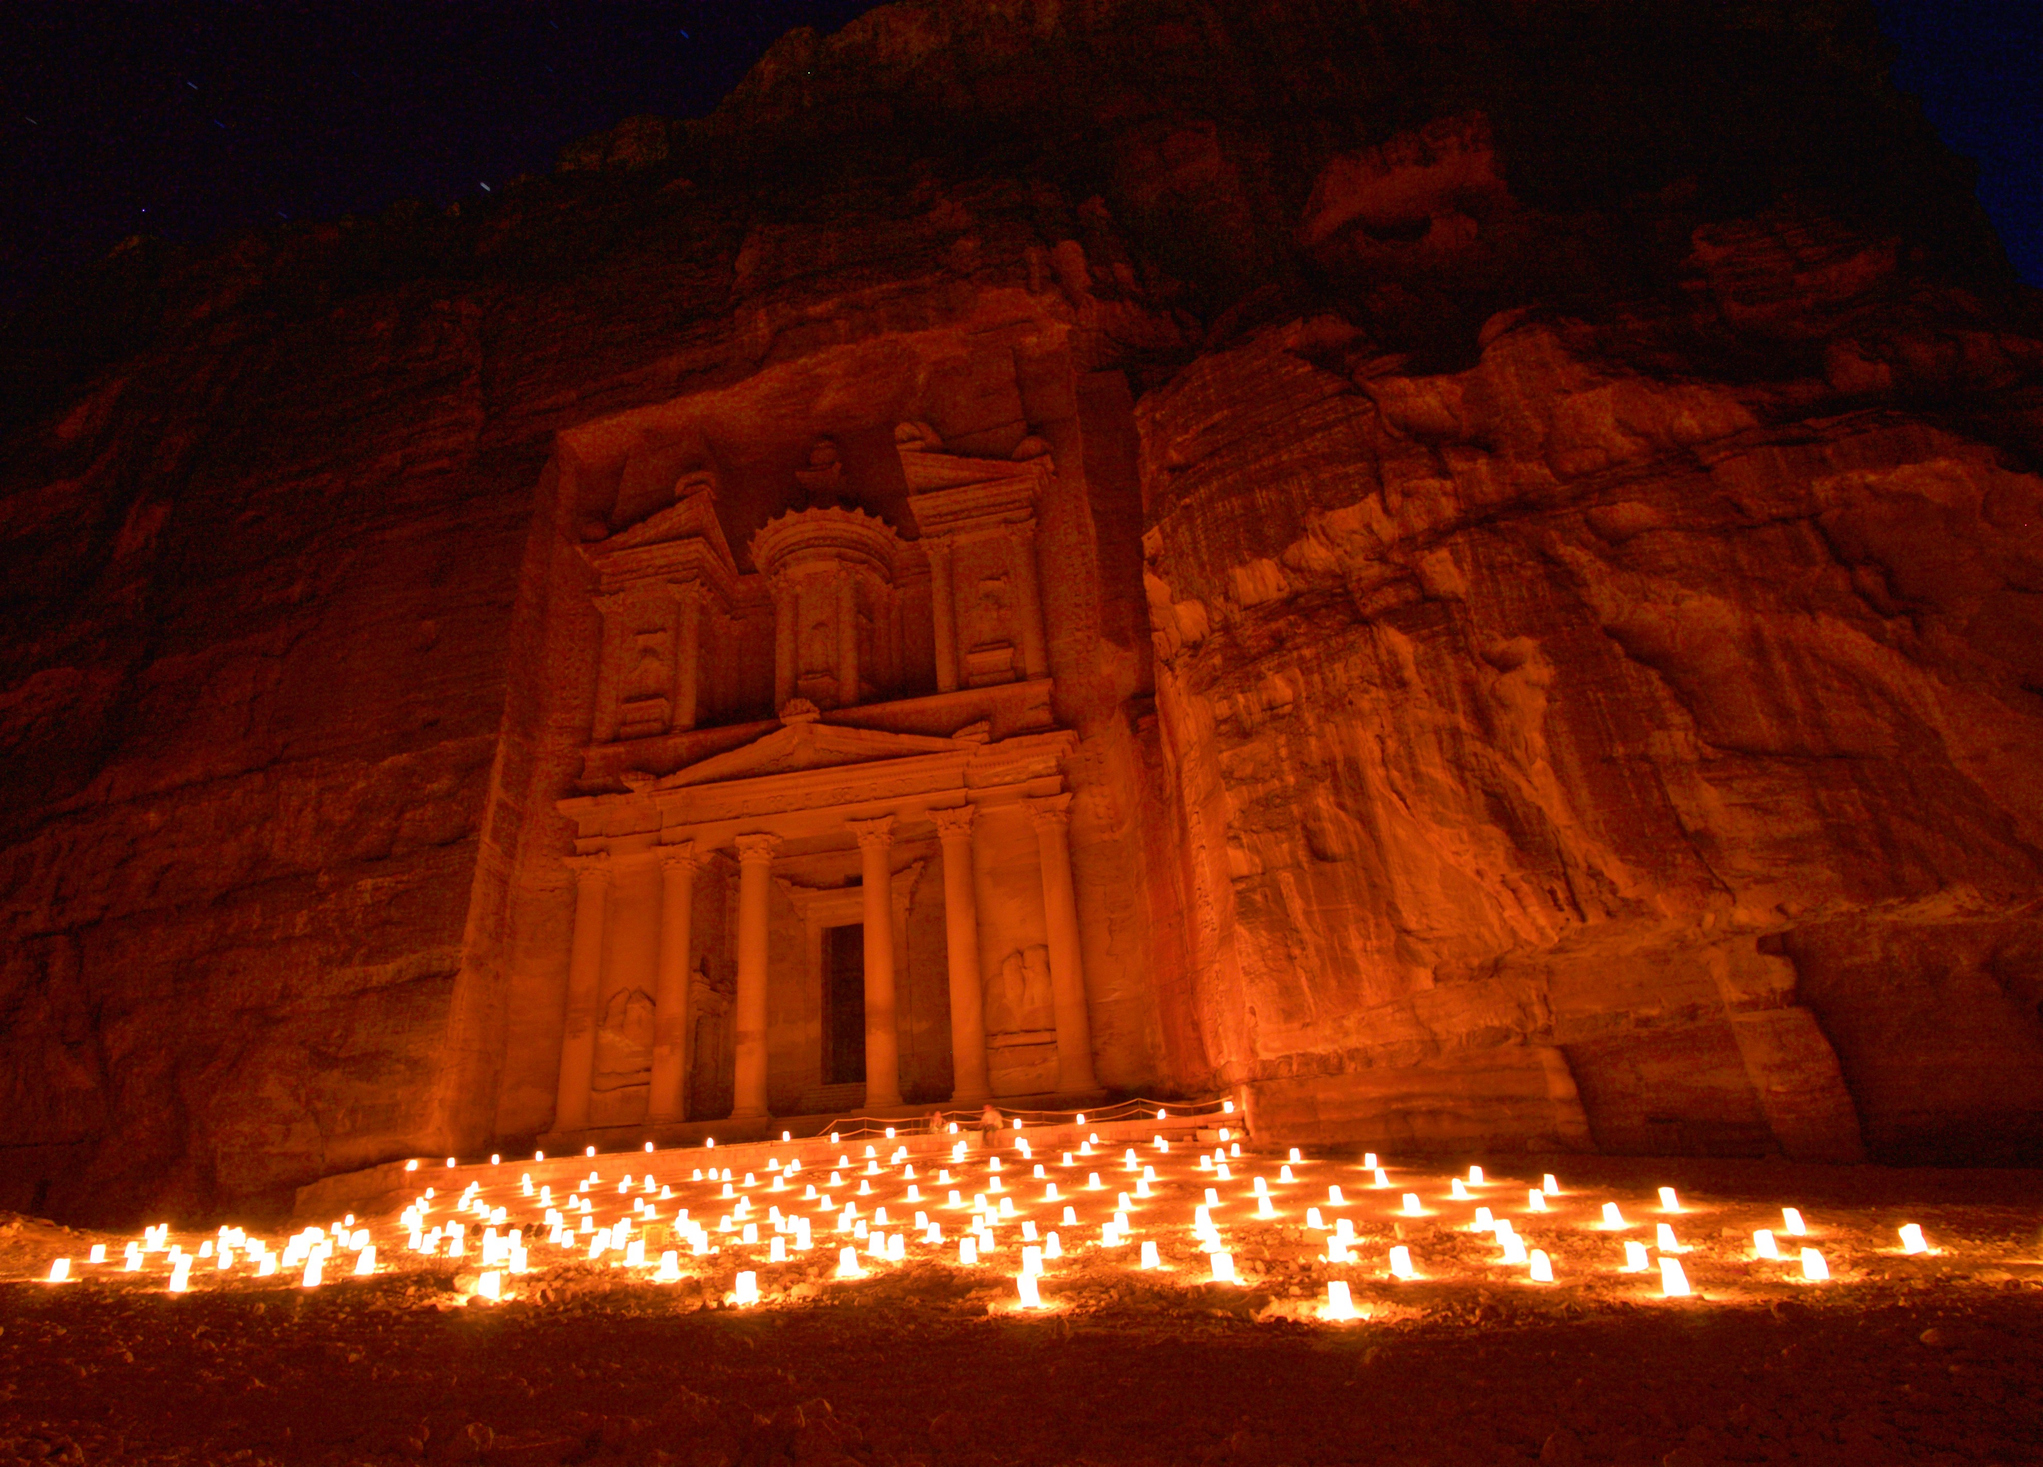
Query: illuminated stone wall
1544	589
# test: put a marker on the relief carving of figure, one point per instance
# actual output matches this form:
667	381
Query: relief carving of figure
649	677
624	1040
987	621
1018	995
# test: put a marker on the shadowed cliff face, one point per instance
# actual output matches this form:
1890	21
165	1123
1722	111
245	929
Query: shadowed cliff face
1586	499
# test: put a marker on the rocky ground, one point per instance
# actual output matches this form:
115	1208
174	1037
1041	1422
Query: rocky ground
1936	1359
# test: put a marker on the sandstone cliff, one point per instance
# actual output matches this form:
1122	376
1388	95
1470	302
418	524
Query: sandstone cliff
1562	538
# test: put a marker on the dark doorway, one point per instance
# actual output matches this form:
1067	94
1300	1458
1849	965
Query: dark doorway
844	1004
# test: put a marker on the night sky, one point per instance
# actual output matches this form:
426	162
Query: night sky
191	121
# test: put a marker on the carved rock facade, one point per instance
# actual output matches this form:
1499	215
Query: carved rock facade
1046	549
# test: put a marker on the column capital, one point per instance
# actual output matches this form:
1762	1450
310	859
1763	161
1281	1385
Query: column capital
875	834
955	821
594	866
756	848
937	545
681	854
1050	811
1023	529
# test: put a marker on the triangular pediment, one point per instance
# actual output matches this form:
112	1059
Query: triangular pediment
811	745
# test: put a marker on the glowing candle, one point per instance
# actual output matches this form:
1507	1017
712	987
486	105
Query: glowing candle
1813	1266
1401	1262
311	1279
968	1253
1549	1186
1514	1246
1663	1237
776	1250
847	1264
1070	1219
490	1285
1673	1282
1223	1267
1483	1223
1542	1267
670	1267
365	1262
1612	1218
60	1270
1792	1218
133	1256
1412	1208
1763	1244
1635	1259
1535	1201
1129	1159
181	1272
1475	1176
1142	1187
1149	1255
1050	1192
1382	1178
1458	1189
1340	1304
1029	1291
1668	1201
1052	1248
1344	1230
1284	1174
1092	1181
98	1253
1912	1240
746	1290
1032	1260
1312	1218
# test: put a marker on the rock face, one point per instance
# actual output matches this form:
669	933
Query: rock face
1545	578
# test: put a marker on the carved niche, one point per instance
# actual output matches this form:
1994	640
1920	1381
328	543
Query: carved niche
977	519
661	586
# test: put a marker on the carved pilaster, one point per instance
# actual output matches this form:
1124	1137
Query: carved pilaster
943	610
1052	818
969	1082
1021	540
755	870
882	1035
579	998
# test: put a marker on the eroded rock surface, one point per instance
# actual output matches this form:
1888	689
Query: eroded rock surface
1556	528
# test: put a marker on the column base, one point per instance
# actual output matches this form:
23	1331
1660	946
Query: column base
760	1114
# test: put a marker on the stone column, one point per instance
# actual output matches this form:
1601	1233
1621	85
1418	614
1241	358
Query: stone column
1028	598
847	639
667	1099
882	1036
943	610
585	971
1052	818
748	1018
787	606
961	940
687	654
608	657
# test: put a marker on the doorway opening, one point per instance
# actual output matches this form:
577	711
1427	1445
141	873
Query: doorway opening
844	1004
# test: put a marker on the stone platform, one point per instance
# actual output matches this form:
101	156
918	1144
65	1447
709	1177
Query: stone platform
390	1185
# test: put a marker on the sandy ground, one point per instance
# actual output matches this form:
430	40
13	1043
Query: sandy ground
1934	1358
